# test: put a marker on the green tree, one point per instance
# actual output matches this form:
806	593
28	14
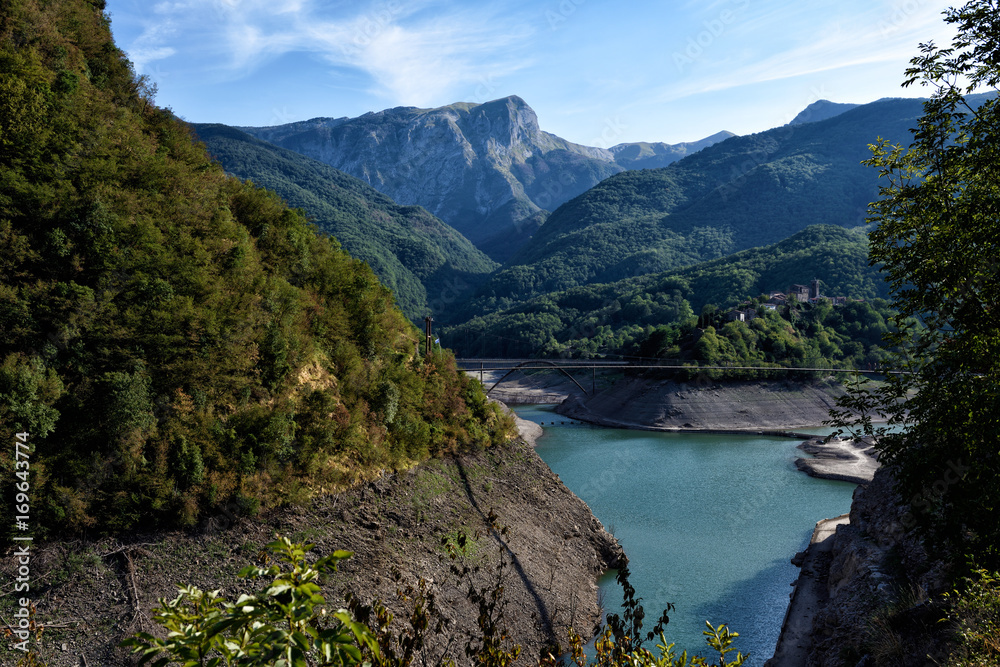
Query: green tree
26	394
938	236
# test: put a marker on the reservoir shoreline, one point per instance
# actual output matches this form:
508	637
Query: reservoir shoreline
702	406
674	479
669	407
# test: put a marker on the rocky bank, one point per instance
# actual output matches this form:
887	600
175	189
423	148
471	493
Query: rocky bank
92	594
666	404
863	594
841	459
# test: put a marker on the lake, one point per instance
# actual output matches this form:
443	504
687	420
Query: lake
709	522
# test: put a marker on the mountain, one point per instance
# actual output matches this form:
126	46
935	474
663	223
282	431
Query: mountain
174	340
427	264
821	110
487	170
598	316
644	155
743	192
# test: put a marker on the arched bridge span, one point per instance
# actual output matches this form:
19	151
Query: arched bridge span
537	363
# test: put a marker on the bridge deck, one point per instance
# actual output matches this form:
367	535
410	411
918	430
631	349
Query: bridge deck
511	366
543	364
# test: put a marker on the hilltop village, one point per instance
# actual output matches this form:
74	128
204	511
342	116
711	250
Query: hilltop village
796	294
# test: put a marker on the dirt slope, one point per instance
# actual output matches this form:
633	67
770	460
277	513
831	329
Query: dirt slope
93	594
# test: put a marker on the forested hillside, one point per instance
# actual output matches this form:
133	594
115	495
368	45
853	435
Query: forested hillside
603	318
173	338
425	263
741	193
803	335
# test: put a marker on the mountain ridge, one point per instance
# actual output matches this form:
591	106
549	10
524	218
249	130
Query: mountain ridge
652	155
487	169
743	192
481	168
821	110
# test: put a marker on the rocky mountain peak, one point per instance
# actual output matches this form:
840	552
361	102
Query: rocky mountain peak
821	110
486	169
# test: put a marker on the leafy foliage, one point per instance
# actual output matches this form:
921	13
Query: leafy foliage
288	624
173	338
618	317
623	635
426	263
719	639
974	612
938	225
285	625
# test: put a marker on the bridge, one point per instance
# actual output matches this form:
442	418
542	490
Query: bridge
564	366
512	366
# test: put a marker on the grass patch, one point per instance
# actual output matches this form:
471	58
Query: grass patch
78	566
461	543
430	484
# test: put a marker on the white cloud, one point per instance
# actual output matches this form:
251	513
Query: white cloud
142	57
414	56
421	63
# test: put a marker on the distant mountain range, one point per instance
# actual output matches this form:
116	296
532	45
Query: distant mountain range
740	193
488	170
643	155
492	174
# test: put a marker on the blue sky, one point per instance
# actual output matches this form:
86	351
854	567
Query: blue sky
597	72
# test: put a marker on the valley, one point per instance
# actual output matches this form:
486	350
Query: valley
213	336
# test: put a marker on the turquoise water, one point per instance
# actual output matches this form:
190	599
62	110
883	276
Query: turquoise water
709	522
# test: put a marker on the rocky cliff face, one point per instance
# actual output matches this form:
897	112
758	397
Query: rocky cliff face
881	583
488	170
